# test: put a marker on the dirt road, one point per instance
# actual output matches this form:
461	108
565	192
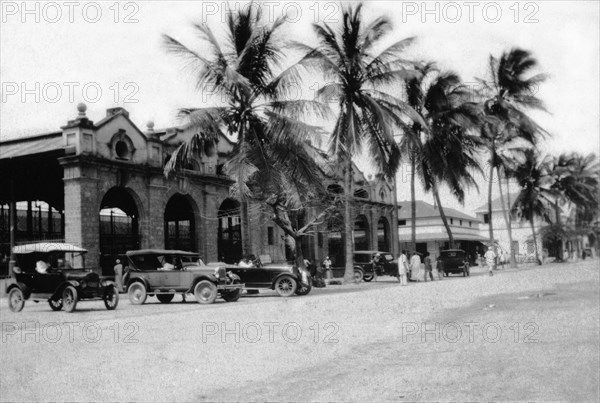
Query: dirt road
527	334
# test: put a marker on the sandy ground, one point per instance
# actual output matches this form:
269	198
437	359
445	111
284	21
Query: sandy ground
526	334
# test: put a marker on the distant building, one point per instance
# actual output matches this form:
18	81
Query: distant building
431	232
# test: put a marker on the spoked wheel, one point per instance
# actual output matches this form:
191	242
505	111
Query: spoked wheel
302	289
16	300
137	293
358	275
234	295
69	298
205	292
165	298
285	286
55	304
111	297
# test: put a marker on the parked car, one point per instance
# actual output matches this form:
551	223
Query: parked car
454	261
59	284
286	279
164	273
363	266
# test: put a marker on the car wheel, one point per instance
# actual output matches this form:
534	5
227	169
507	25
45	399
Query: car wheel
303	290
205	292
137	293
55	304
358	275
16	300
69	298
285	286
165	298
234	295
368	277
111	297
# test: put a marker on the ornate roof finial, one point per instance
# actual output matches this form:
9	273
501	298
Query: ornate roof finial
81	107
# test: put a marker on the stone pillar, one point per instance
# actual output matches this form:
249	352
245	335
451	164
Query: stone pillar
152	221
82	223
210	227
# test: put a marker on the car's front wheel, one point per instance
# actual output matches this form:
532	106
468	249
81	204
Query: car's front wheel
205	292
16	300
304	289
368	277
137	293
285	286
55	303
69	298
111	297
233	295
165	298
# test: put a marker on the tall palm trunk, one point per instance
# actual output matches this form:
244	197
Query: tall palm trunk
558	223
436	194
413	202
245	228
513	257
490	179
537	253
395	243
506	219
348	223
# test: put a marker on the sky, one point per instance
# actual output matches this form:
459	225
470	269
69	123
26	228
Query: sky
54	55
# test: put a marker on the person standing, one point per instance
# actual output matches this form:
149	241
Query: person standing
490	259
415	265
327	266
428	267
118	275
439	266
402	268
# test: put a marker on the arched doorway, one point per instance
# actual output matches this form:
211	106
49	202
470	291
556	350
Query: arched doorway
361	233
335	240
119	228
230	232
383	235
180	226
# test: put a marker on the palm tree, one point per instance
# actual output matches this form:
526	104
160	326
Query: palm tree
271	141
356	74
509	93
440	144
536	196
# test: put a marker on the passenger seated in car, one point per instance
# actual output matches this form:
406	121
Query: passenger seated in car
245	262
41	267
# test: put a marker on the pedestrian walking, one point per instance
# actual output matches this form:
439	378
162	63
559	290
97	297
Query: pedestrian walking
402	268
490	259
118	268
415	265
428	267
440	267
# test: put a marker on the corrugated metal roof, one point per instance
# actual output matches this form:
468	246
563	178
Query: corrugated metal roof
442	236
427	210
31	145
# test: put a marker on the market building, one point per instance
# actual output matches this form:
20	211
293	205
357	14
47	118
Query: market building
100	185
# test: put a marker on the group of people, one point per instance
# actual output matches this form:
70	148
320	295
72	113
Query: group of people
410	270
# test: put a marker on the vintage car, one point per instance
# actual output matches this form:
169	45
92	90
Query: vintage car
56	282
365	270
454	261
165	273
286	279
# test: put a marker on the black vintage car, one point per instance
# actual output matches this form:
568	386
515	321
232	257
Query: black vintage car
371	263
43	273
165	273
454	261
284	278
